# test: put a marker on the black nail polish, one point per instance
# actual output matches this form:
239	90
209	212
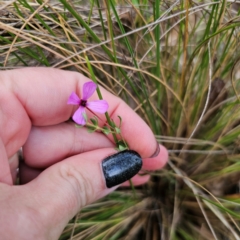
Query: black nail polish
120	167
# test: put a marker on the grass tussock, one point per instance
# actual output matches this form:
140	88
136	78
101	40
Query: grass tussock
177	65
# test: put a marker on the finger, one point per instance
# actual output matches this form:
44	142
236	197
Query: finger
33	96
48	145
28	173
39	95
158	162
75	182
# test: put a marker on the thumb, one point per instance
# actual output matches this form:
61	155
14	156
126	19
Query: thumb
60	191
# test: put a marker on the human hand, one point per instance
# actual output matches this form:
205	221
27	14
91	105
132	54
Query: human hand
62	164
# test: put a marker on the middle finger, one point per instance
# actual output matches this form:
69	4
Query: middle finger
48	145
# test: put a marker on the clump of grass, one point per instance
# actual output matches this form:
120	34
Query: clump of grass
176	64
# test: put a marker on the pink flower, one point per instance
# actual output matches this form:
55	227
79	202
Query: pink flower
99	106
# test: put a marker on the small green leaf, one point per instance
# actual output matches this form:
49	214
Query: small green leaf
118	130
120	124
113	123
78	126
94	121
106	130
91	129
121	145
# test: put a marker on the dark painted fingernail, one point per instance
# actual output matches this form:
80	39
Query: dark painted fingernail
120	167
157	151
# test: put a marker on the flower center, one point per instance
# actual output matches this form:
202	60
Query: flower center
83	103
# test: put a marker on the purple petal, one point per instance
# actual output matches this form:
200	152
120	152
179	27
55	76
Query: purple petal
99	106
88	89
73	99
78	116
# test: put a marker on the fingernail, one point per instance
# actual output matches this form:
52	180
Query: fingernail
157	151
120	167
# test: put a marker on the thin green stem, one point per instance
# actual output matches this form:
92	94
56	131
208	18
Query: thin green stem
100	97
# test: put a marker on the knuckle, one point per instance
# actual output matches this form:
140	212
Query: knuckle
78	183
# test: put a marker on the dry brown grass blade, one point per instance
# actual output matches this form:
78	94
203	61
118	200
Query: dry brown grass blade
20	30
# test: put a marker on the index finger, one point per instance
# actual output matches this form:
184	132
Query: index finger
43	93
